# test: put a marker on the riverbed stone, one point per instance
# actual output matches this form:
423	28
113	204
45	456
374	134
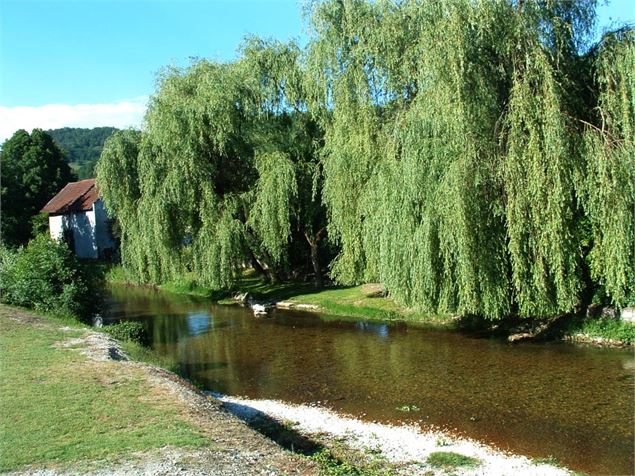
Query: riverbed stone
628	315
610	313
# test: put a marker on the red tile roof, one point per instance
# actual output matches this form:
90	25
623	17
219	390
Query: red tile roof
74	197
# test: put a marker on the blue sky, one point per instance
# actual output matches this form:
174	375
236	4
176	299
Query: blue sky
93	62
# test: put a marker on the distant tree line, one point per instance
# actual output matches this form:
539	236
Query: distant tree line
82	147
473	157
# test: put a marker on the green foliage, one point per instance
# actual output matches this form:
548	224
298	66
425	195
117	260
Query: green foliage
332	466
216	178
466	155
538	183
276	190
612	329
128	331
448	460
33	171
46	276
82	146
609	184
452	170
116	274
39	224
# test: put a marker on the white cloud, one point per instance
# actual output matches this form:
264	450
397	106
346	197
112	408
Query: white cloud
126	113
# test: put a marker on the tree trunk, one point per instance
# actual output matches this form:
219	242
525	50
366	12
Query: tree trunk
315	256
265	269
315	259
257	266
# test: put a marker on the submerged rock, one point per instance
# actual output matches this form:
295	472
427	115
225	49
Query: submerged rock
260	309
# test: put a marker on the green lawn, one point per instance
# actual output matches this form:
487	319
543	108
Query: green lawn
58	408
365	301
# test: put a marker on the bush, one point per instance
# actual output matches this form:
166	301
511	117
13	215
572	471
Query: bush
128	331
609	329
46	276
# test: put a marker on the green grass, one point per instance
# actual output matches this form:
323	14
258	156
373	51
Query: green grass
448	460
190	287
331	465
116	274
57	408
605	328
358	302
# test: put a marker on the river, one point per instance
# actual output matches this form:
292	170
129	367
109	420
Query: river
572	402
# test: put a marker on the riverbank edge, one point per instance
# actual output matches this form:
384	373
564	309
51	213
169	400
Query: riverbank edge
367	302
227	445
407	445
336	449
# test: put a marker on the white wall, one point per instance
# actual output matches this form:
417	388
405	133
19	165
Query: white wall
90	229
83	226
56	226
102	228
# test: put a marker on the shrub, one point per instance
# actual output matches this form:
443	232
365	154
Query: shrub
128	331
609	329
46	275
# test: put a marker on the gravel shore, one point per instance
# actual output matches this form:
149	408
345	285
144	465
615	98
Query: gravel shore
405	447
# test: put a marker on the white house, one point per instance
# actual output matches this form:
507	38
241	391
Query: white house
77	215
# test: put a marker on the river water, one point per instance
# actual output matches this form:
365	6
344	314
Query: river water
571	402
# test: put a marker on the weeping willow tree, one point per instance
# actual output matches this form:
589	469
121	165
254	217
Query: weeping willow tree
454	151
287	207
450	153
217	170
610	178
122	191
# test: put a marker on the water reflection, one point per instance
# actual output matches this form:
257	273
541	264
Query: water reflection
381	330
199	322
551	399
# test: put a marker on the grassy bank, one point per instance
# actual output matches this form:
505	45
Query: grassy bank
68	406
368	302
56	409
599	331
357	302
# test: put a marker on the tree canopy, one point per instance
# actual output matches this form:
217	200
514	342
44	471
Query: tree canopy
226	156
33	171
473	157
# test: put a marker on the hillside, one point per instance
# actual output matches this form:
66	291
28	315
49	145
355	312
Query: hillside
82	146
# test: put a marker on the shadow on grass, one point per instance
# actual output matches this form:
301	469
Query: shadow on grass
262	290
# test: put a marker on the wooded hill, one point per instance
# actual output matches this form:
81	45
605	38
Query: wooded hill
473	157
82	146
